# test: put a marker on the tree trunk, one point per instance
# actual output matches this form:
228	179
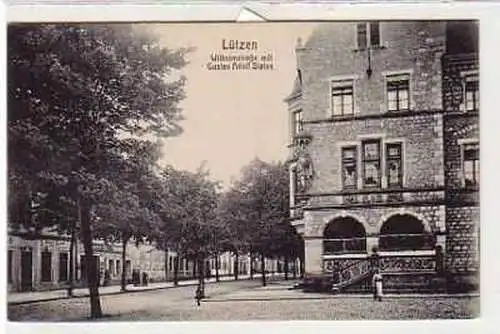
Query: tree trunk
91	266
286	268
201	276
166	265
294	273
236	266
195	268
217	266
72	261
176	270
263	268
251	265
124	265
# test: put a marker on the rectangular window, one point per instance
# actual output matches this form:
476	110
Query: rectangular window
297	122
46	266
110	267
394	165
342	98
362	36
472	93
118	267
9	268
170	263
368	34
398	92
349	167
371	164
374	33
471	164
63	267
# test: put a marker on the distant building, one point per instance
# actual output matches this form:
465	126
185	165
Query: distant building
384	120
43	263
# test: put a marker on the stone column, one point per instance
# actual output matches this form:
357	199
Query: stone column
441	241
313	255
371	242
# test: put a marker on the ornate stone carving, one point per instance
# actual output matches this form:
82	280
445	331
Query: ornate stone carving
408	263
303	166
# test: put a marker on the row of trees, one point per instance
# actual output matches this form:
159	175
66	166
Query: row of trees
88	107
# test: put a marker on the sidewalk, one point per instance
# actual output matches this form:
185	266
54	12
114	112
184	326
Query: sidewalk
14	298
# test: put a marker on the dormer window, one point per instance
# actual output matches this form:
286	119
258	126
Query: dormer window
368	34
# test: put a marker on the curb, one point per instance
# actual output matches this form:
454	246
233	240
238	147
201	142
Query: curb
34	301
264	299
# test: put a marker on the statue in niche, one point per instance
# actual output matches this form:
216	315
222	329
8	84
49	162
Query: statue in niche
304	168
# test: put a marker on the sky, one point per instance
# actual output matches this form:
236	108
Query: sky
231	117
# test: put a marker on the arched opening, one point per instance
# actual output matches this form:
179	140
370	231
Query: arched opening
404	232
344	235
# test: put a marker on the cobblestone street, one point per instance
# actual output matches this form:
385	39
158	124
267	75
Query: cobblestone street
247	300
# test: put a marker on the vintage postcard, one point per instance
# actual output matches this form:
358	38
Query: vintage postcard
243	171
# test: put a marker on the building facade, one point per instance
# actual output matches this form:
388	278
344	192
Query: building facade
44	263
385	151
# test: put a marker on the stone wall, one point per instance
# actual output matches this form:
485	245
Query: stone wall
332	51
421	138
462	242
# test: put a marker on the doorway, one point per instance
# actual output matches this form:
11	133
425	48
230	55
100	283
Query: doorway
26	270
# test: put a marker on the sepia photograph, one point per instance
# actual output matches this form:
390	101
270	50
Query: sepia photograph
243	171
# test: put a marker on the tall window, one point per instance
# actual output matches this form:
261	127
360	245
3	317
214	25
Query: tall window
394	165
349	167
368	34
398	92
471	164
297	122
63	267
472	93
46	266
110	267
9	268
342	98
374	33
170	263
371	163
118	267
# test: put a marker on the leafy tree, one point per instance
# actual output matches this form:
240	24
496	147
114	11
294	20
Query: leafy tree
257	209
188	215
74	93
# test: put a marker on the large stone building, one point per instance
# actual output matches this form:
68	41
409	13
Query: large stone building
385	152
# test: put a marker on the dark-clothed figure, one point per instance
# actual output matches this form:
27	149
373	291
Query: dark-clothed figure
107	278
198	295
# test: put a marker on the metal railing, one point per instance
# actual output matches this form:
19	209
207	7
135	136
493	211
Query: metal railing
401	242
344	245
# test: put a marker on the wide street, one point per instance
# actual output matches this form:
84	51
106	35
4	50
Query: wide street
247	300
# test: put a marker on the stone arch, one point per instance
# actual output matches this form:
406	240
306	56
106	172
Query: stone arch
344	234
344	214
402	211
403	231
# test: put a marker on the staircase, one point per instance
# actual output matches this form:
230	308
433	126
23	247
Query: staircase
352	274
401	274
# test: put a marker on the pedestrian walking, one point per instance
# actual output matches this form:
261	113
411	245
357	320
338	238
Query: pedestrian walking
377	285
198	295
